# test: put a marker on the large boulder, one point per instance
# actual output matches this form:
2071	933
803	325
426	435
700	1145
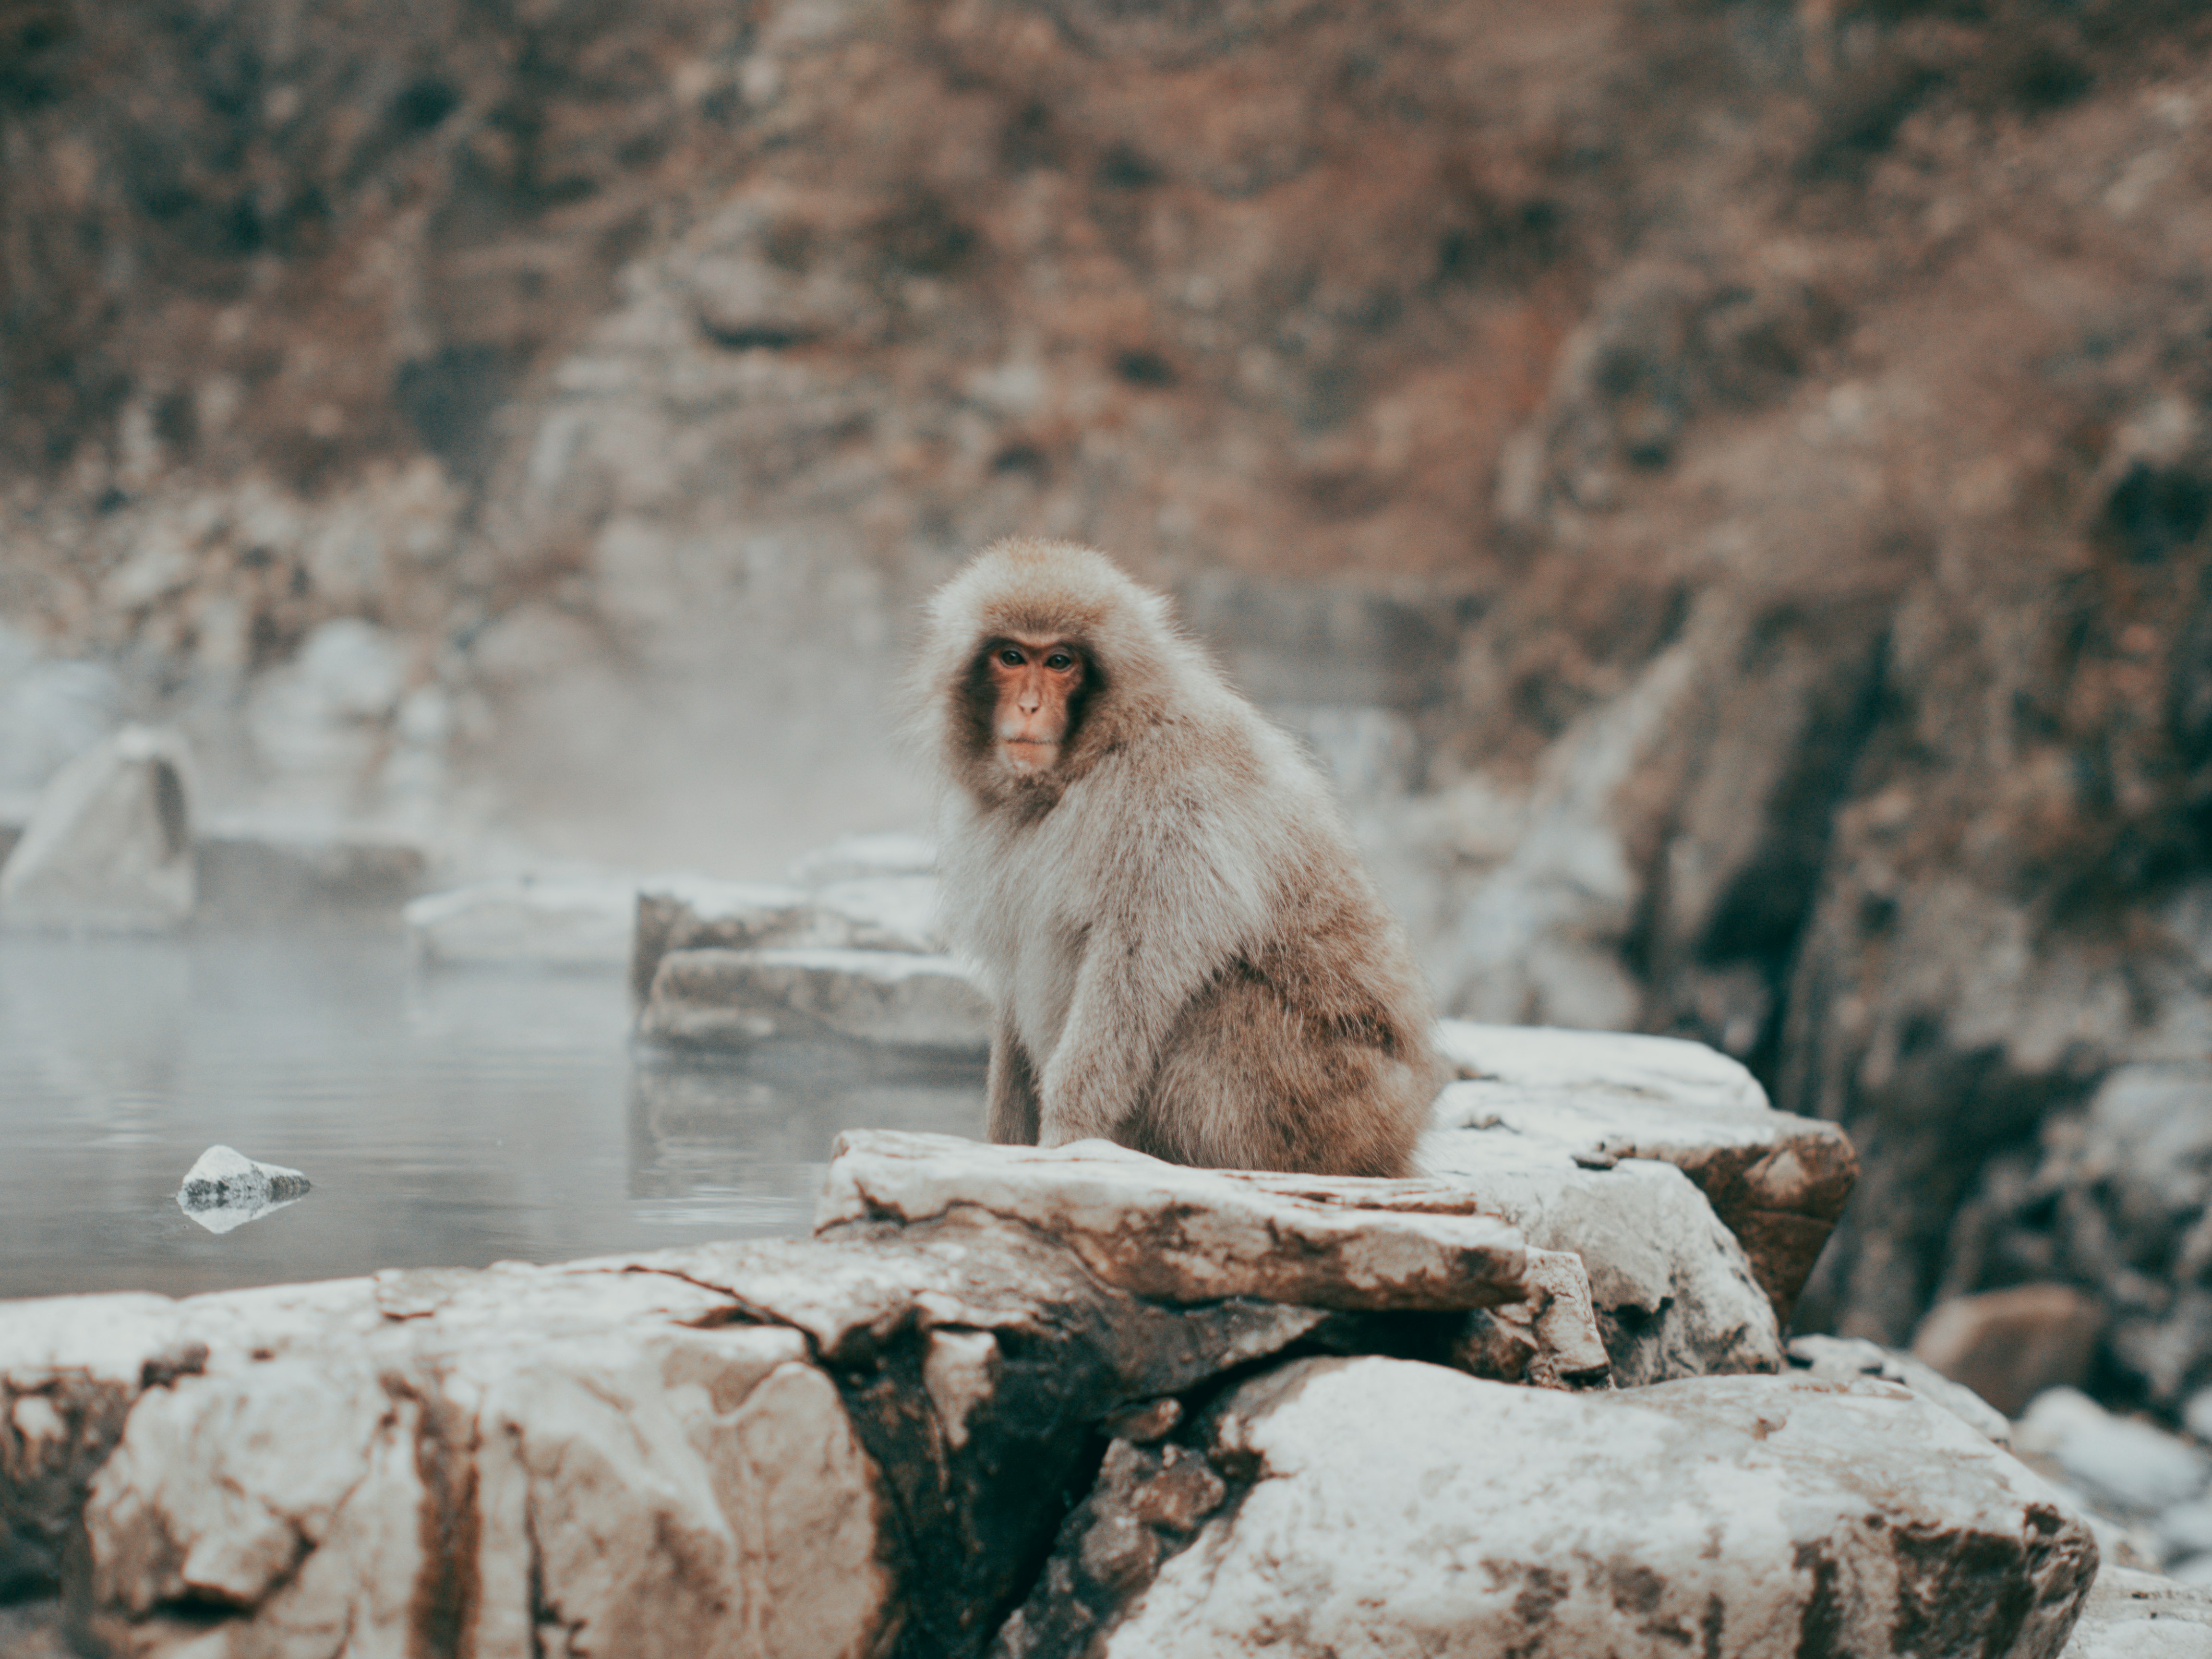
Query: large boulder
1776	1181
1383	1508
109	845
2131	1614
804	1449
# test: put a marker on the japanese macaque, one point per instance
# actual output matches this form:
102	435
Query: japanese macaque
1182	950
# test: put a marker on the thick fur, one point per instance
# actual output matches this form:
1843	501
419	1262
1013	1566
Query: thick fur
1184	952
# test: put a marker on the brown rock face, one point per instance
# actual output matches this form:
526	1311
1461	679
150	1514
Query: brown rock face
2010	1345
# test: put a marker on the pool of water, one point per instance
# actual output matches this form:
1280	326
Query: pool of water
445	1118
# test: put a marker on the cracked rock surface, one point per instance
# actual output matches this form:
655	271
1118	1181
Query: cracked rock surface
1746	1516
770	1449
1778	1181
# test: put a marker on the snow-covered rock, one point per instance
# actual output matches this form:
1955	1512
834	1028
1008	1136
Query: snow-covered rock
1778	1181
724	998
1840	1358
108	847
770	1449
1386	1508
1176	1234
1676	1294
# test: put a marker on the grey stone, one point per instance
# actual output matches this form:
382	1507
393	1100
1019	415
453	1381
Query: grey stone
1776	1180
258	868
1383	1508
1839	1358
720	998
2132	1465
1675	1293
109	845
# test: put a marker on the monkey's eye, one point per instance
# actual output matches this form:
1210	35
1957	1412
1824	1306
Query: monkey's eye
1060	662
1012	658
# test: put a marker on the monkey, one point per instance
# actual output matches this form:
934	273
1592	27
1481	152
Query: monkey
1182	950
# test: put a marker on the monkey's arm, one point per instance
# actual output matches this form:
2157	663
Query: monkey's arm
1170	927
1013	1089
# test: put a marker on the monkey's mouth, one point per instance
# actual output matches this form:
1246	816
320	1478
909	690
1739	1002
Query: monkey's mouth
1030	754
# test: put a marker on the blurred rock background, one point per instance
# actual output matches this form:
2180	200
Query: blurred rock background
1725	483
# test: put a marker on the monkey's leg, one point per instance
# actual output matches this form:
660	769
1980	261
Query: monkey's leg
1250	1081
1013	1090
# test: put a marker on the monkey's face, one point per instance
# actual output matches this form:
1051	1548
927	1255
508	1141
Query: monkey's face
1034	684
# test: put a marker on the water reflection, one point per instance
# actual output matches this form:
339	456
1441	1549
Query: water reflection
447	1119
750	1143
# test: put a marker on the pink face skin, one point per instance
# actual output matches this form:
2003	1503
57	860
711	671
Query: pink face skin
1033	680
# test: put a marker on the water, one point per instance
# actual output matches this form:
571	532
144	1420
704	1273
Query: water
445	1119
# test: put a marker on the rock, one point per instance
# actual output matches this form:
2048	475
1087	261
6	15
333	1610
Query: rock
773	1449
720	998
894	911
2142	1615
2196	1414
1776	1181
692	912
109	846
864	858
2185	1530
527	922
2010	1346
1742	1515
1550	1339
1839	1358
1675	1293
225	1189
1176	1233
260	869
2129	1464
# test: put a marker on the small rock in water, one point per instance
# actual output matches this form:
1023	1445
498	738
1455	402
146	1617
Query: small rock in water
226	1189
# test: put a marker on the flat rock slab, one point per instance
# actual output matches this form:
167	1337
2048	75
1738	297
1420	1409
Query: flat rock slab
1776	1180
1391	1508
803	1450
255	868
1676	1294
894	911
1176	1233
525	922
733	999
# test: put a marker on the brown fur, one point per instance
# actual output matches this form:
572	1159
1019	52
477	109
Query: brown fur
1183	951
